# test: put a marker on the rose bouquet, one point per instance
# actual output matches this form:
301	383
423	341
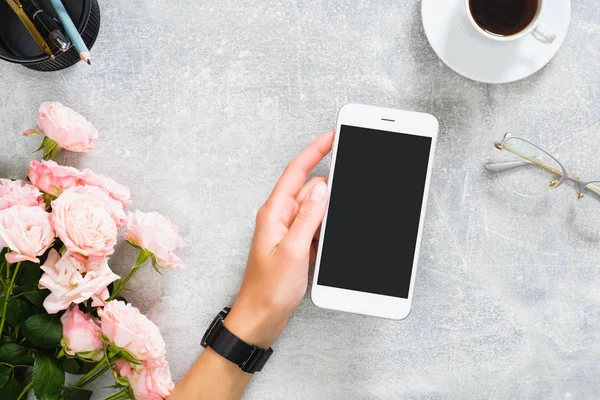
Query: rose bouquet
61	309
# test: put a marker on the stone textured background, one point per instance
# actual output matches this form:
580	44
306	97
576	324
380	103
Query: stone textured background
201	104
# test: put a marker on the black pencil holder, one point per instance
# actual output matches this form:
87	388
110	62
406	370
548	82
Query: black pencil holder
17	46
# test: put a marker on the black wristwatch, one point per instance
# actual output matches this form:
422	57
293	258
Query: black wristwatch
246	356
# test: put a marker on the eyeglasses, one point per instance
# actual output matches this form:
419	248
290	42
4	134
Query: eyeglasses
532	155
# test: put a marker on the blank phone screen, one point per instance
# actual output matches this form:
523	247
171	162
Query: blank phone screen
374	211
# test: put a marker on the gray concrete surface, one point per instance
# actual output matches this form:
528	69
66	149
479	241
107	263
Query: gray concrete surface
201	104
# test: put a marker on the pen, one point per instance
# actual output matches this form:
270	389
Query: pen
72	31
44	20
17	7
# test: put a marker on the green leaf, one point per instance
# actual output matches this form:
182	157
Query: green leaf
7	339
129	357
51	149
43	330
55	152
85	366
71	365
22	289
42	145
77	366
72	393
48	145
29	274
121	382
37	297
12	389
17	312
156	266
15	354
104	339
48	378
4	374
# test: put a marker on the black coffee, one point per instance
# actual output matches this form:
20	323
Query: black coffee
503	17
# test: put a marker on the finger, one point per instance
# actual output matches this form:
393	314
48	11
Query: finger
280	209
295	174
313	254
308	219
318	234
308	187
272	223
315	245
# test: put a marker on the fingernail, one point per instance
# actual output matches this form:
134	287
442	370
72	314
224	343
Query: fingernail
318	192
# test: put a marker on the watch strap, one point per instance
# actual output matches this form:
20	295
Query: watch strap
248	357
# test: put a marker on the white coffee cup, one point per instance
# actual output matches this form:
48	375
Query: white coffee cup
536	28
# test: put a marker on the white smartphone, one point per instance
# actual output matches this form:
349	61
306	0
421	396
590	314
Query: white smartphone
369	243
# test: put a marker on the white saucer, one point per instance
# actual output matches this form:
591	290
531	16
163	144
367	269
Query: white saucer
461	47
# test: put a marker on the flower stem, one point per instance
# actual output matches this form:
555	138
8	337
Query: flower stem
93	373
142	257
95	376
7	296
25	390
3	264
119	395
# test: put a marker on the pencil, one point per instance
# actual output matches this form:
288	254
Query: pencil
71	30
35	34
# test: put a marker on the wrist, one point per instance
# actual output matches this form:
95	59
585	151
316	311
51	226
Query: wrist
252	325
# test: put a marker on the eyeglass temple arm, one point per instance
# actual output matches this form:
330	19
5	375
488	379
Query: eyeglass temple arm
527	160
496	167
592	187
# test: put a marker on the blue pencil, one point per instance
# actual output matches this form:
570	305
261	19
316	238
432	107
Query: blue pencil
71	30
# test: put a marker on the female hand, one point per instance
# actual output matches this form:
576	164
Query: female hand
276	274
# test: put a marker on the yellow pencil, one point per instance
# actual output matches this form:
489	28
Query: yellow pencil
35	34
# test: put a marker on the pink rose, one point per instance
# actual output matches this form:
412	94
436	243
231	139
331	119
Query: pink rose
148	383
52	178
13	193
87	221
26	231
80	335
66	127
127	328
157	234
71	281
116	191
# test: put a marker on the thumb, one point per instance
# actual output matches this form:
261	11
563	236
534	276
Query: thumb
308	218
